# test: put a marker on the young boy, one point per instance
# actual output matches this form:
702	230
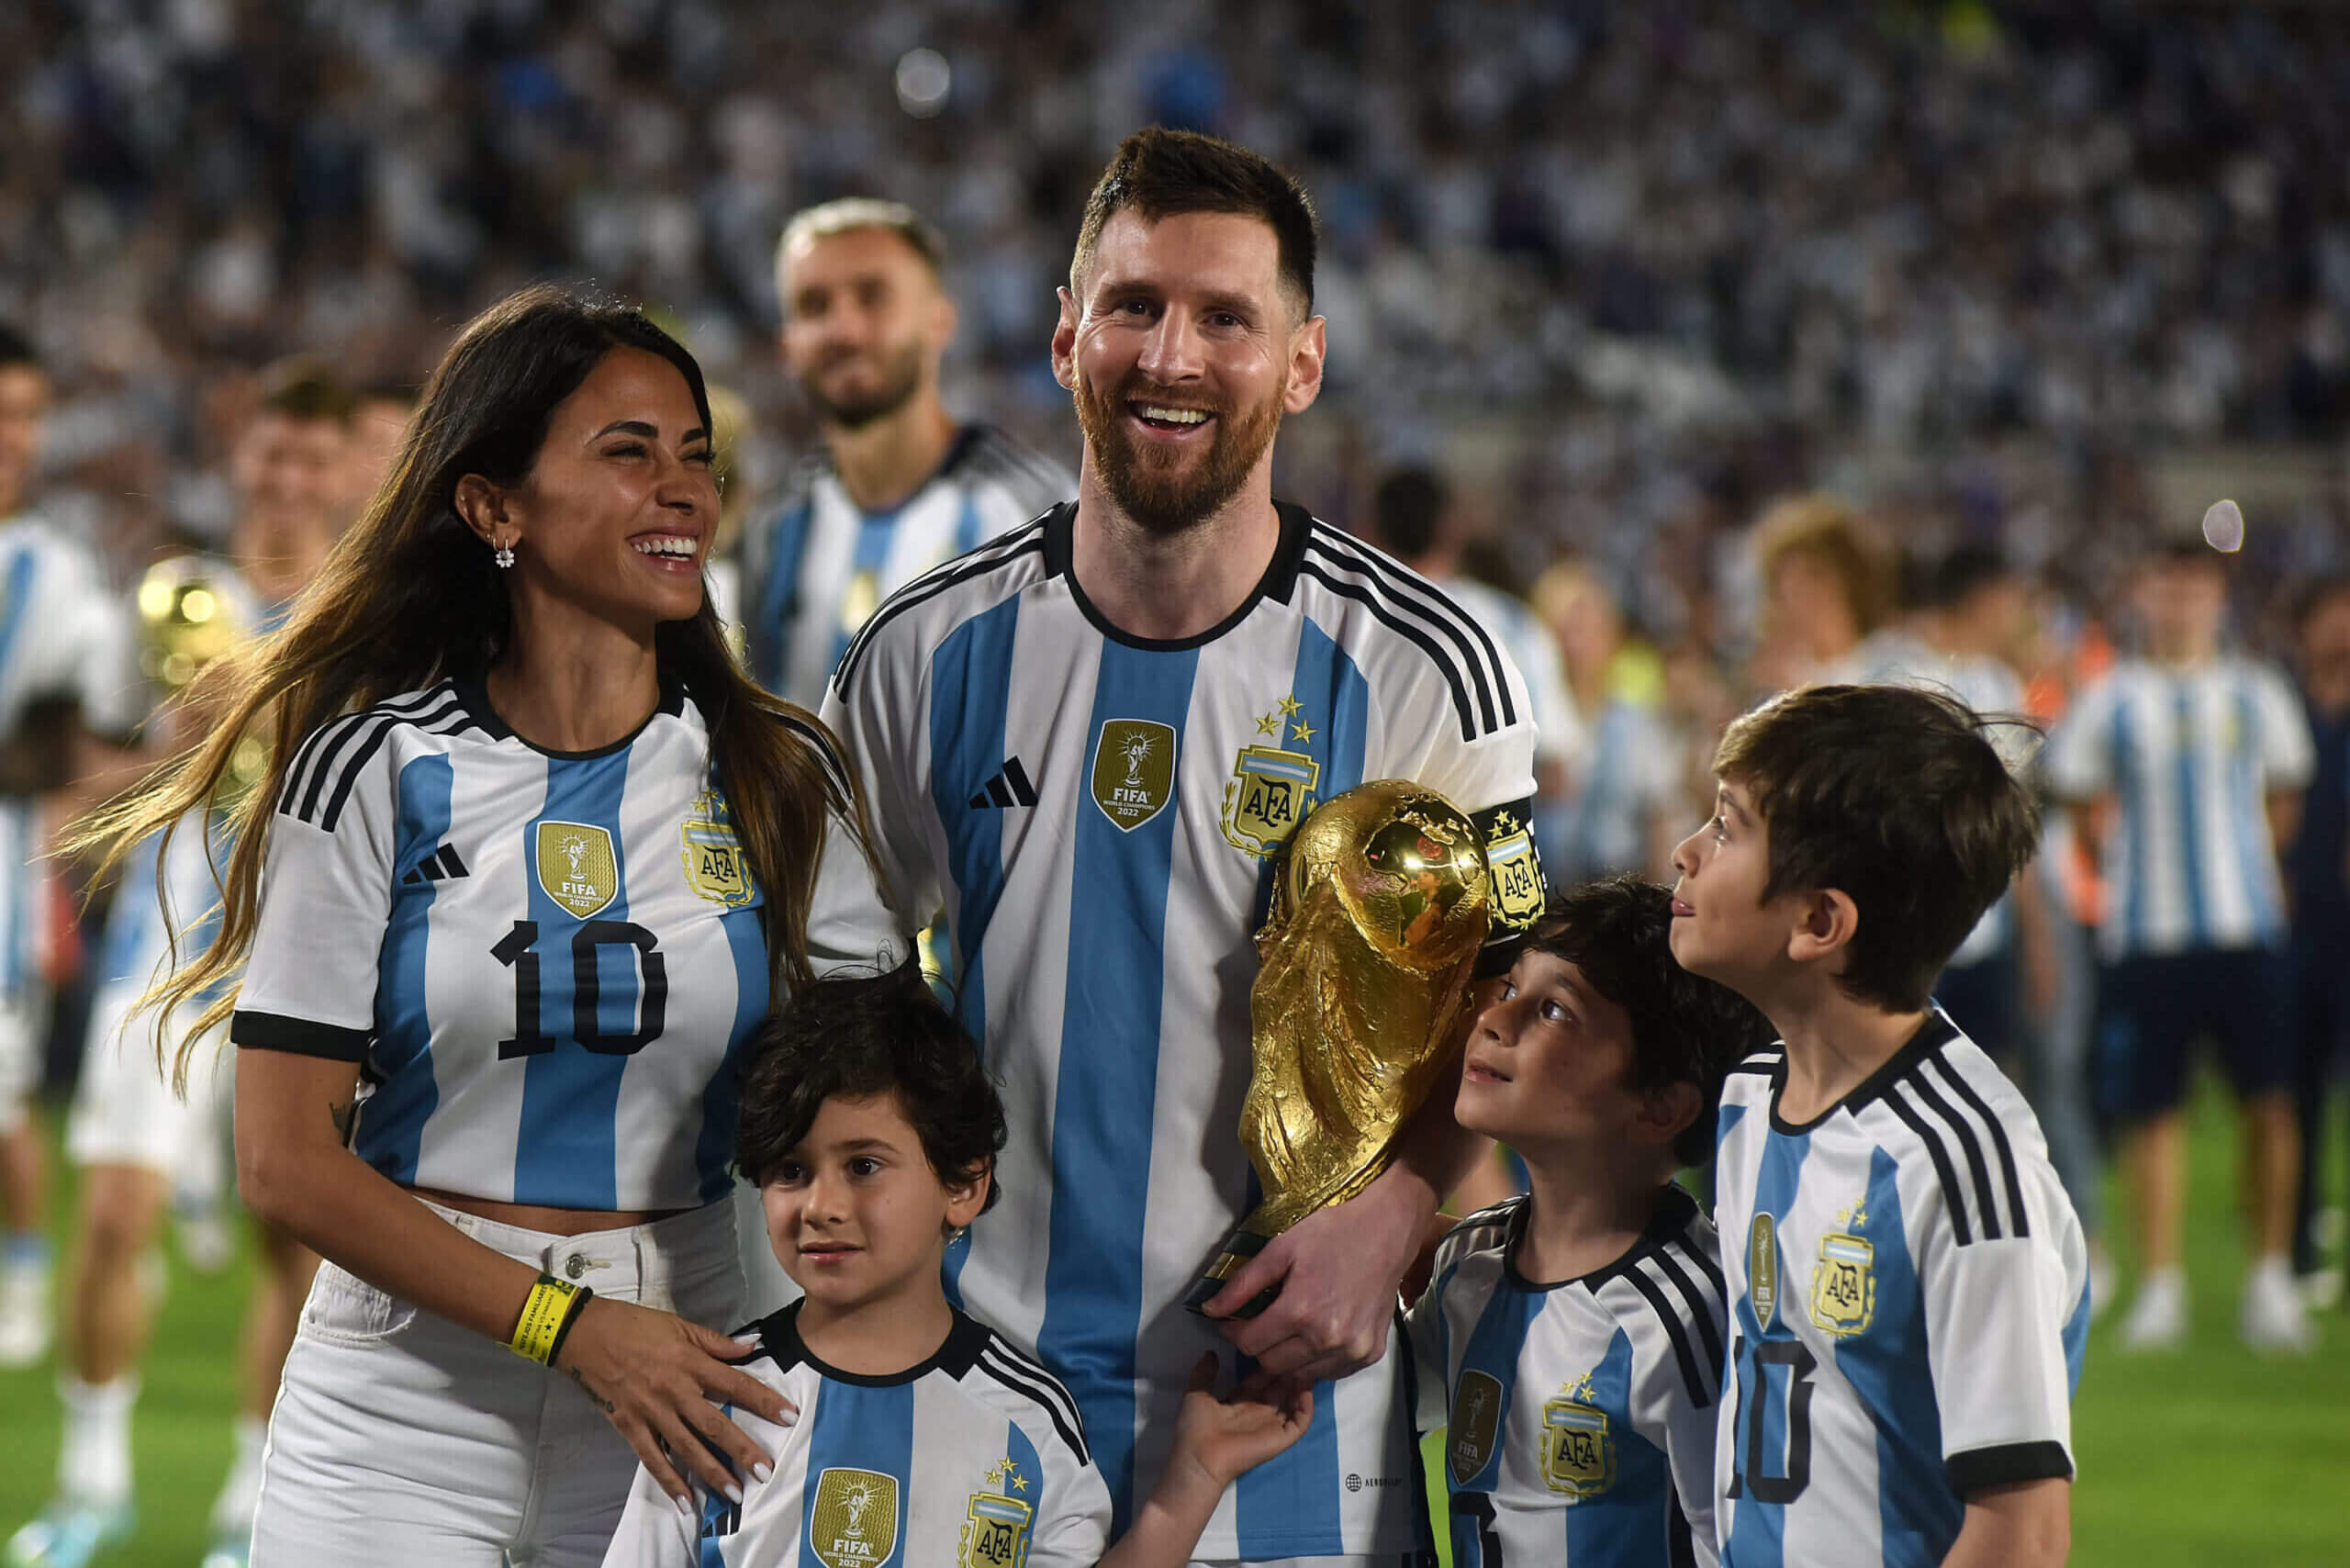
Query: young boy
1908	1286
921	1436
1572	1338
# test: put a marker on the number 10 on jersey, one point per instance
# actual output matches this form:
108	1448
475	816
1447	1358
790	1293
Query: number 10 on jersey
519	950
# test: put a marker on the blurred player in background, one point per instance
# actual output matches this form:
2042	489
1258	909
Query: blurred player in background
1087	742
133	1136
901	485
67	697
2317	876
1624	811
2194	757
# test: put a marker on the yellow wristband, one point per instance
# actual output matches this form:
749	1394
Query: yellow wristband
545	1311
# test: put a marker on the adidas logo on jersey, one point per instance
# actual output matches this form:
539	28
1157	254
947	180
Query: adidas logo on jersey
1009	787
438	867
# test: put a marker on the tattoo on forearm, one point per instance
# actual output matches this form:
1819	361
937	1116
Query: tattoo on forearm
597	1400
342	1116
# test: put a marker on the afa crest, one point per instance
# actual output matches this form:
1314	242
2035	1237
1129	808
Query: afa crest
576	865
995	1525
1476	1425
1271	789
1844	1282
1518	872
1133	770
1578	1454
715	865
853	1523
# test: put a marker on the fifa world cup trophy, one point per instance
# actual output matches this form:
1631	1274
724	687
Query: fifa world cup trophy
1364	964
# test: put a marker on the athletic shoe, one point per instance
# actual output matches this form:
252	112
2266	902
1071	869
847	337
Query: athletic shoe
24	1314
2157	1319
68	1534
2321	1291
2271	1318
230	1552
2105	1280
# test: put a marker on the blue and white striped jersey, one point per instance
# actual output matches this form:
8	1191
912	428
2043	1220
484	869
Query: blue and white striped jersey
2189	756
64	634
819	564
545	963
1908	1295
1630	777
21	885
974	1458
1098	817
1579	1415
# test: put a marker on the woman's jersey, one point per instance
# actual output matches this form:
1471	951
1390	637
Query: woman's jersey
1579	1415
545	963
973	1458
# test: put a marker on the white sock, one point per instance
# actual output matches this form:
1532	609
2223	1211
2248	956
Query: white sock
232	1511
93	1462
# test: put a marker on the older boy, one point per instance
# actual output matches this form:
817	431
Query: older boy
1908	1284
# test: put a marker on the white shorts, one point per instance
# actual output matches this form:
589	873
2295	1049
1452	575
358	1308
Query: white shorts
23	1029
124	1111
401	1439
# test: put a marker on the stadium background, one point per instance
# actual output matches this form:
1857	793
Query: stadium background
2050	277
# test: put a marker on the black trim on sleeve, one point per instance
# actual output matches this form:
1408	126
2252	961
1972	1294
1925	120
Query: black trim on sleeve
298	1036
2008	1465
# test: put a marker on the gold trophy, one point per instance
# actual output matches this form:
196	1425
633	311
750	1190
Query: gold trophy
187	618
1364	964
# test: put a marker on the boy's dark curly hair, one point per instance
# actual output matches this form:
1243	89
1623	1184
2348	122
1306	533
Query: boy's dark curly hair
858	1040
1618	931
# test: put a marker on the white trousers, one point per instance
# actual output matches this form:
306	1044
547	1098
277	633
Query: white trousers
400	1438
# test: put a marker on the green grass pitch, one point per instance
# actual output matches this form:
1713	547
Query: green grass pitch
2213	1457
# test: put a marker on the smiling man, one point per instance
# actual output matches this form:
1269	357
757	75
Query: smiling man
901	486
1086	743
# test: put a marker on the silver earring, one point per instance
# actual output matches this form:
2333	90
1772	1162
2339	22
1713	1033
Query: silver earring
504	555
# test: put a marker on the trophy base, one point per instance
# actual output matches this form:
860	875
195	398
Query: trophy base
1239	1248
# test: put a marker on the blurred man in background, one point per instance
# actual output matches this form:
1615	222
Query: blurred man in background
901	486
67	707
2317	870
1624	811
2192	760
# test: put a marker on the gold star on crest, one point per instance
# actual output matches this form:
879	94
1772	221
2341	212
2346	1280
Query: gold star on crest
1290	704
1020	1483
1270	724
996	1472
1577	1388
1302	731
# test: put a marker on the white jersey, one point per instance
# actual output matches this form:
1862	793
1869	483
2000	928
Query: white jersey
819	564
1629	778
2189	756
1579	1415
64	634
546	964
1098	817
1560	734
1908	1297
975	1457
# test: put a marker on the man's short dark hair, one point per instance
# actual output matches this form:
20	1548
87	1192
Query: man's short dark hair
1685	1029
1407	510
1159	172
1967	571
1896	798
2317	596
15	348
305	389
857	1039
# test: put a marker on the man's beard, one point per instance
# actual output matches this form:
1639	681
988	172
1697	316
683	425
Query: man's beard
1152	486
900	379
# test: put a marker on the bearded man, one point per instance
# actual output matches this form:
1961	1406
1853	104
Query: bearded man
1085	743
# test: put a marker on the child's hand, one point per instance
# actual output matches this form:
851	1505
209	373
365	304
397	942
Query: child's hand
1217	1439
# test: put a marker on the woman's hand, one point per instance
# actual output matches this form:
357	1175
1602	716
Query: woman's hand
660	1380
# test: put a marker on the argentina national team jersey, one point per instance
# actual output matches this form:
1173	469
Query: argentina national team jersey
1579	1415
2190	756
1908	1295
544	963
973	1458
1098	817
820	564
63	634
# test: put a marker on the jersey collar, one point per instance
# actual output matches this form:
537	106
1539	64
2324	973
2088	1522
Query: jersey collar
1279	581
1935	1032
956	1355
472	690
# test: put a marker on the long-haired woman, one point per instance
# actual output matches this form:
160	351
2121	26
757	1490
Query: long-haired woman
531	858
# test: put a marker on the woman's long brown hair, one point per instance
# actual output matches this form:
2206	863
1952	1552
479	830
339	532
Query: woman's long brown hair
409	596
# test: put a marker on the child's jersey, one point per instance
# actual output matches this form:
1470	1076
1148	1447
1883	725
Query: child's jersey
973	1458
1909	1296
2190	756
1580	1414
546	964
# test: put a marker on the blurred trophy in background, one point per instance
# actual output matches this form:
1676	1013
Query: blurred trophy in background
1364	964
191	612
